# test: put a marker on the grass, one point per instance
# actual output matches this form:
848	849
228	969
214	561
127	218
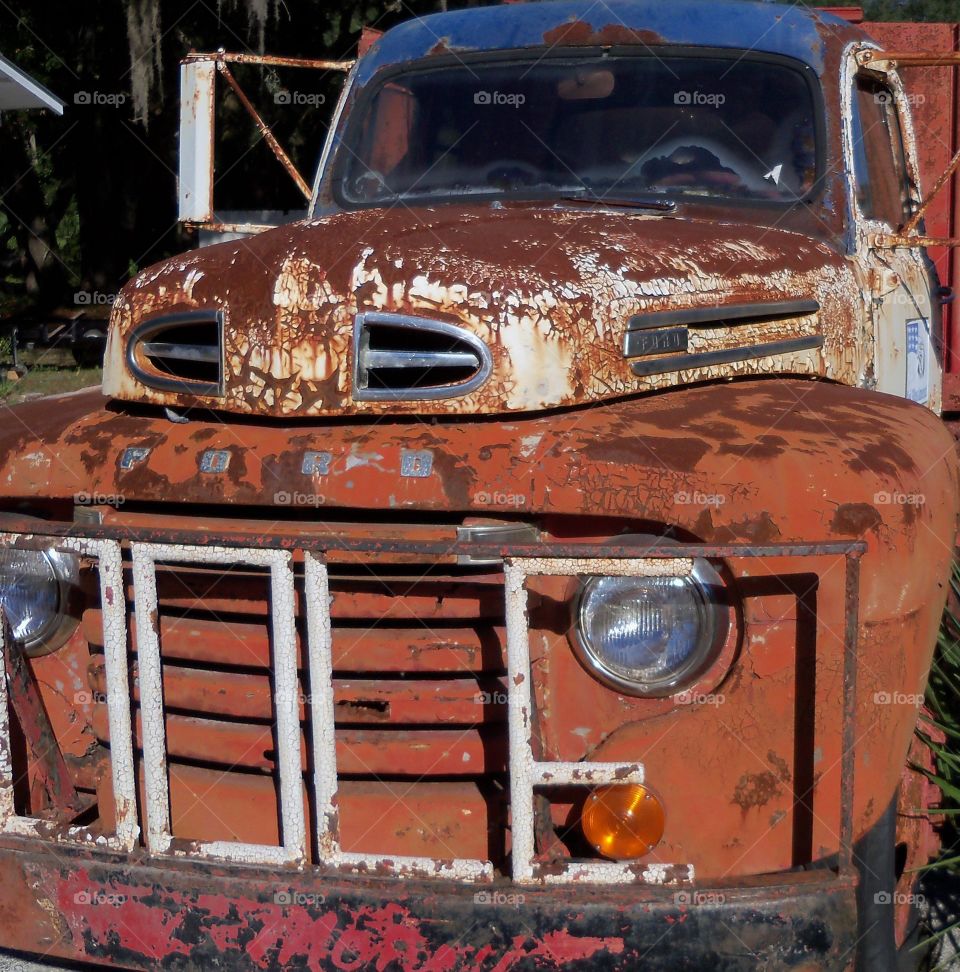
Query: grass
943	701
943	705
50	371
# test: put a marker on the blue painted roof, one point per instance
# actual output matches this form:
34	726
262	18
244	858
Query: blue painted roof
795	31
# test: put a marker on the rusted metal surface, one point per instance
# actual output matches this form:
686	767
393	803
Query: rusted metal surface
368	37
851	580
436	649
525	770
893	240
196	147
270	60
198	136
294	294
911	58
218	226
121	828
53	793
947	175
870	446
451	701
143	916
935	110
285	694
918	822
906	235
7	796
328	681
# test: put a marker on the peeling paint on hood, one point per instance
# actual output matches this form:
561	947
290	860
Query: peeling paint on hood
549	290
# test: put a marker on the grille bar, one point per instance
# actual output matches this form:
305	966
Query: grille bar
286	694
525	771
7	807
127	830
320	667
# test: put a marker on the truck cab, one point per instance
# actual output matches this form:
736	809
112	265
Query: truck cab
533	557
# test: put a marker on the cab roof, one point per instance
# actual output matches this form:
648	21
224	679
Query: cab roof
793	31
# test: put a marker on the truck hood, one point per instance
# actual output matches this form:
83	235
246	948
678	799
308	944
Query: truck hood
547	294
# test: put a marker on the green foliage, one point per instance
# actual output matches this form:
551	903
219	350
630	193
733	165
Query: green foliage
943	701
89	196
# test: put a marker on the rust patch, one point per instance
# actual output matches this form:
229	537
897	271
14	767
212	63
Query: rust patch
764	447
855	519
892	460
680	454
757	529
780	765
756	790
442	46
580	33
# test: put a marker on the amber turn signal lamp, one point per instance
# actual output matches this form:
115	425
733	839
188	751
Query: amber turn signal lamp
623	821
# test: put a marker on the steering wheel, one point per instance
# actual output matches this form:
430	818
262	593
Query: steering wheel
512	171
708	178
370	185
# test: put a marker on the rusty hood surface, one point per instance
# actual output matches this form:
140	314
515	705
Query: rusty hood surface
548	289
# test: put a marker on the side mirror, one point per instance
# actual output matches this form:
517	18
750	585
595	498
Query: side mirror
198	81
195	182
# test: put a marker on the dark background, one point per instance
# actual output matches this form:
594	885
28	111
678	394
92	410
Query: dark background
88	198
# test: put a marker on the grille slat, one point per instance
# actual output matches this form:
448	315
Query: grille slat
437	649
181	352
404	600
382	702
364	753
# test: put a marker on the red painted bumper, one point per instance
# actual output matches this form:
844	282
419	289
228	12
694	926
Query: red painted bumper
76	905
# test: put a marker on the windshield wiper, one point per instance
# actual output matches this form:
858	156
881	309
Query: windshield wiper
628	202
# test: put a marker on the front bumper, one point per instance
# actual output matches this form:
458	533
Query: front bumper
67	903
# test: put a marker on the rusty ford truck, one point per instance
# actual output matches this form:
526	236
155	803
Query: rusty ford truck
532	558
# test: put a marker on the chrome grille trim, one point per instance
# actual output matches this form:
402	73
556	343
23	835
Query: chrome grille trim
141	351
367	360
420	359
705	359
726	315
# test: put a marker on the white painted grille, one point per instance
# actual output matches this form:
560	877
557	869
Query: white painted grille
526	773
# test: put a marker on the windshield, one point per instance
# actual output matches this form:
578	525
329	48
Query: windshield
616	127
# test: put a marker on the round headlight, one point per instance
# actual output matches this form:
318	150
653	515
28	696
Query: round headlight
651	636
36	591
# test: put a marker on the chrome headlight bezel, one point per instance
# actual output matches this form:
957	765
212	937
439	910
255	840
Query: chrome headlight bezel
59	625
714	597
